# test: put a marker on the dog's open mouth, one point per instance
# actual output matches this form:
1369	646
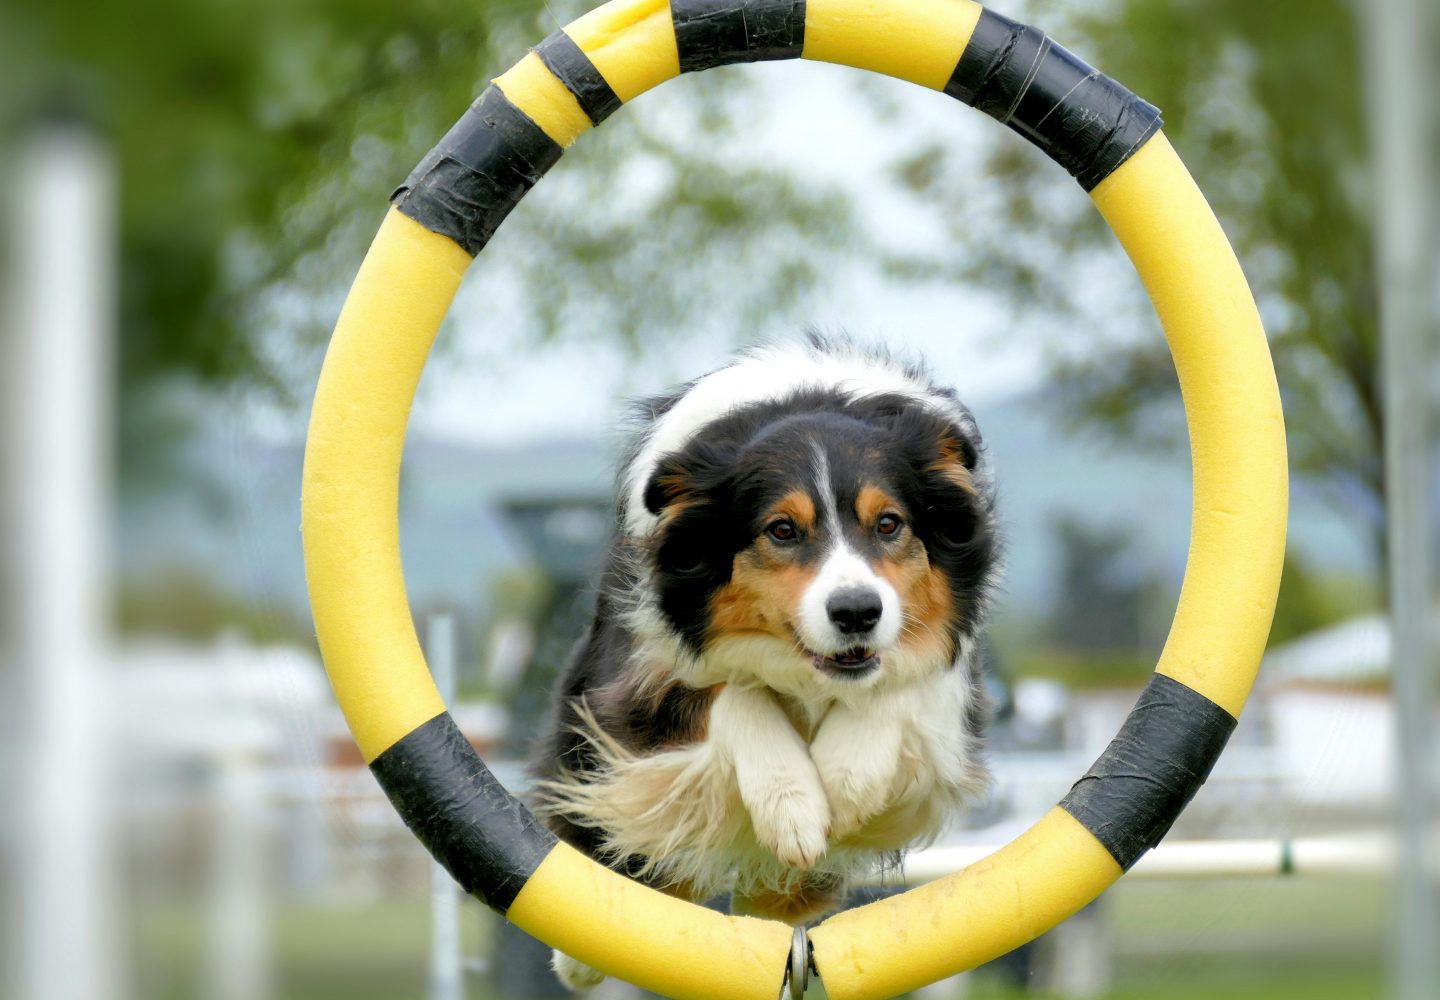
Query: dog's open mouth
852	664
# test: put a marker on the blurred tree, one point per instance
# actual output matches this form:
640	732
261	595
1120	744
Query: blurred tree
1101	589
223	113
1264	102
194	605
257	140
1310	599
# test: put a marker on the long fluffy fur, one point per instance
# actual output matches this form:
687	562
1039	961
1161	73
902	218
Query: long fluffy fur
724	725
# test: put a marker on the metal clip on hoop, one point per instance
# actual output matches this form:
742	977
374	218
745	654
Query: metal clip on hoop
797	977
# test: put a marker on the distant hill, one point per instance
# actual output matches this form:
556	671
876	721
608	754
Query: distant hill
241	528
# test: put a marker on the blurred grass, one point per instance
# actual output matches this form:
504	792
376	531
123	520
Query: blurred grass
186	604
1243	939
1083	671
1249	939
1212	980
370	951
331	955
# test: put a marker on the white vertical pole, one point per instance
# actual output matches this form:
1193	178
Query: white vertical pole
446	978
63	291
237	949
1401	92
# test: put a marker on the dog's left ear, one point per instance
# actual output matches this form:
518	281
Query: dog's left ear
952	492
955	459
947	447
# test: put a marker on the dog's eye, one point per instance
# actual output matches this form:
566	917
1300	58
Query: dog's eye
889	524
782	531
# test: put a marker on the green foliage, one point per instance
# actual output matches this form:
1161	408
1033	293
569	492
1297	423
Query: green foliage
256	143
1264	103
1102	589
1110	609
1083	671
190	605
519	593
223	113
1310	600
655	235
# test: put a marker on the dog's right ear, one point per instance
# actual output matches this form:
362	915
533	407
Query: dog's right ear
671	484
700	474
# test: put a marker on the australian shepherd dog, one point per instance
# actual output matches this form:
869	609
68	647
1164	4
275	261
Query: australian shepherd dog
781	686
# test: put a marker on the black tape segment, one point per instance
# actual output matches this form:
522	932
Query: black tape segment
1151	770
1082	119
483	836
573	68
466	186
720	32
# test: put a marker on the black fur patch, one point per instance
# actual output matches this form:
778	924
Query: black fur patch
715	492
712	498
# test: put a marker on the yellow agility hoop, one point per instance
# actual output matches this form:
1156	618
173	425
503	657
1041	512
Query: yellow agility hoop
445	212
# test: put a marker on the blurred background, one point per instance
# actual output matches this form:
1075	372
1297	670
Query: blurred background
189	186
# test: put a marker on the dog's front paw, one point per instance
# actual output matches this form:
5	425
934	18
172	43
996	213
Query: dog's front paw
792	821
855	795
575	974
857	767
773	773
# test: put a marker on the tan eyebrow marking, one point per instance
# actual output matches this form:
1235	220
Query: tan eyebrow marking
798	506
871	502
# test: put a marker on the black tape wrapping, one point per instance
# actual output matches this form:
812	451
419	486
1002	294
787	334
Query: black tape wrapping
573	68
466	186
721	32
1152	769
1082	119
446	795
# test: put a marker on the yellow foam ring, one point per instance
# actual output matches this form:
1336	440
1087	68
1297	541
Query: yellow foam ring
645	937
350	493
533	89
1232	405
350	519
631	43
965	919
916	40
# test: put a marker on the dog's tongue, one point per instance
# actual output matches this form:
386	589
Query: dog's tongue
853	656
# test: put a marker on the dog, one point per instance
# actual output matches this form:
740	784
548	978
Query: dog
781	687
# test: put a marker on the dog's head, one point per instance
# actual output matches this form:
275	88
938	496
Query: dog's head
823	540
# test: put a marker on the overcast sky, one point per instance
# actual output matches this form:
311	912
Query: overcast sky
813	123
491	384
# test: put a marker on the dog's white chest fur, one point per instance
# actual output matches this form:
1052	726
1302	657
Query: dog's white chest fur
760	807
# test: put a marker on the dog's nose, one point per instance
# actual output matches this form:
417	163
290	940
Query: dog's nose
854	610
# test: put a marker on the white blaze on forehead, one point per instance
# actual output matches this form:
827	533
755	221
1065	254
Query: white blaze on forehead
763	376
829	512
843	569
